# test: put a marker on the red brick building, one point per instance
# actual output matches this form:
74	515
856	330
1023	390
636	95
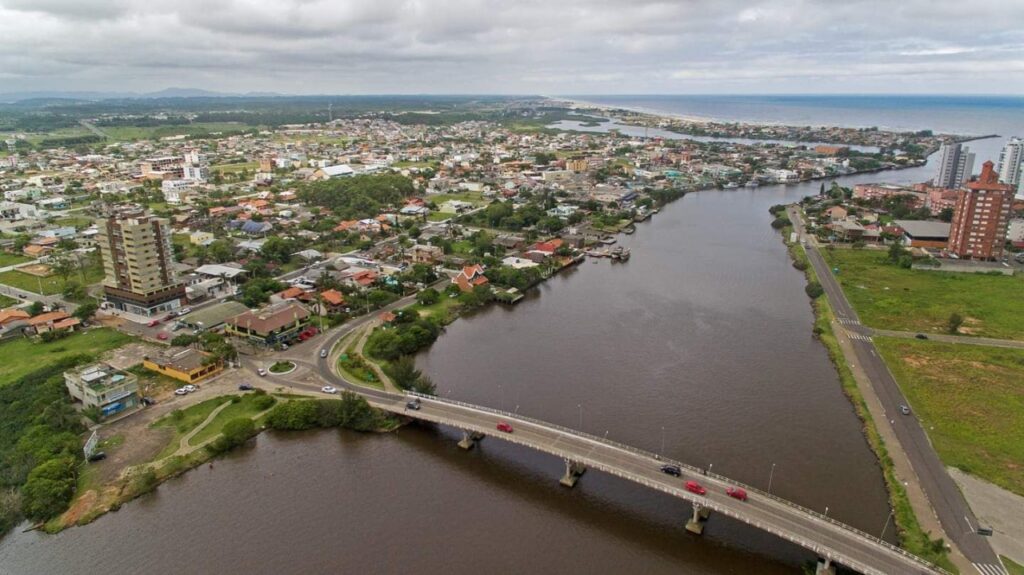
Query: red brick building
981	217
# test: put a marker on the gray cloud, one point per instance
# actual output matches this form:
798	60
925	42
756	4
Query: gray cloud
520	46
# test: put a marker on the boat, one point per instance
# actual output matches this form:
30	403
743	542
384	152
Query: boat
731	186
608	241
629	230
753	184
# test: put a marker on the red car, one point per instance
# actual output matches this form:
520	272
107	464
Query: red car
162	335
737	493
694	487
505	426
153	323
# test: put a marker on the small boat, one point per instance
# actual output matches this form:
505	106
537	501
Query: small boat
629	230
608	241
753	184
731	186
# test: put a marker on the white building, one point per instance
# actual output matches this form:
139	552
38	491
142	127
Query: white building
1011	164
176	191
956	164
196	173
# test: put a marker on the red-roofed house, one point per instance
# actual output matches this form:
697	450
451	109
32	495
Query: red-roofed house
12	314
470	277
53	321
333	301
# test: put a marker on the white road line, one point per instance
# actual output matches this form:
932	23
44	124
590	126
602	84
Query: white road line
968	523
990	569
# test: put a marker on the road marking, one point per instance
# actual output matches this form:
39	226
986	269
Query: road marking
858	336
971	527
990	569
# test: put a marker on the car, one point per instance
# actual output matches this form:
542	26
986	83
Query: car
22	296
329	389
694	487
190	388
504	426
323	353
284	346
181	391
153	323
921	336
413	405
148	401
904	410
162	335
185	310
245	387
736	493
262	372
170	316
672	470
98	456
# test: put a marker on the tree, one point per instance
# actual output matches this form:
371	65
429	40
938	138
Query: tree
36	308
428	296
896	252
63	264
813	290
954	322
49	488
946	215
184	340
86	310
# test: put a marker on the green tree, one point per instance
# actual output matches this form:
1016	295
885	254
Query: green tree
49	488
954	322
36	308
813	290
86	310
428	296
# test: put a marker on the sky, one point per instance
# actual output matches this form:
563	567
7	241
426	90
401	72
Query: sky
541	47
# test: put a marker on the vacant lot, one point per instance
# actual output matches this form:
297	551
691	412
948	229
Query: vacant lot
50	285
21	356
970	399
129	133
890	297
12	259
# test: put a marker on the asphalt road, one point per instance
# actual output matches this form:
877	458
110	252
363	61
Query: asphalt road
956	517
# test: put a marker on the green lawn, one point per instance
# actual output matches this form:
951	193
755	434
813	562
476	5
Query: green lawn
12	259
970	399
51	285
130	133
20	356
244	408
890	297
6	301
444	311
182	421
1013	567
232	168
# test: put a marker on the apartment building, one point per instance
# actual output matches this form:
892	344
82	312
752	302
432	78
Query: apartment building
981	217
103	387
137	264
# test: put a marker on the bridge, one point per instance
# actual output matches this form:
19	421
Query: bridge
831	540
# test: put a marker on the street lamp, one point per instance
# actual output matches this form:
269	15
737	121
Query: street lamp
770	476
662	439
580	406
886	526
826	512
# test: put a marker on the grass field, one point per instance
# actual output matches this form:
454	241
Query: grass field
890	297
246	407
23	355
131	133
1012	567
233	168
970	399
7	301
50	285
185	420
12	259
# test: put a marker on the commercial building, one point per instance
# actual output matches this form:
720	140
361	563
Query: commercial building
283	322
981	217
101	386
161	167
924	234
184	364
137	264
956	163
1011	163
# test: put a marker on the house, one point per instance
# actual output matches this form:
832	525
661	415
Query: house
332	302
518	263
424	254
924	234
387	318
200	238
338	171
53	321
847	230
12	314
184	364
836	213
36	251
100	386
275	324
470	277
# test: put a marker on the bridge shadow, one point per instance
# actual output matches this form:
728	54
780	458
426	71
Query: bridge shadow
646	519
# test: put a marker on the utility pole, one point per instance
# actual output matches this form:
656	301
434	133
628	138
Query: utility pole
770	476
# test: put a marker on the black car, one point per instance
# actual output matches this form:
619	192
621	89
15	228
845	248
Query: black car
148	401
672	470
414	405
921	336
98	456
245	387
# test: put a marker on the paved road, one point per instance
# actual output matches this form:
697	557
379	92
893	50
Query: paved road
823	536
943	337
954	514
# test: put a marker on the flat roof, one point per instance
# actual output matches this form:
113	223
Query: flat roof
924	228
219	270
214	315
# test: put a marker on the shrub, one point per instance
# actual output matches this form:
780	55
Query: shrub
263	402
813	290
800	265
144	482
49	488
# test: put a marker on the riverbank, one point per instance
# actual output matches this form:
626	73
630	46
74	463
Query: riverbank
912	536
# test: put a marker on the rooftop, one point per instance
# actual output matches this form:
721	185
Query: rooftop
924	229
184	359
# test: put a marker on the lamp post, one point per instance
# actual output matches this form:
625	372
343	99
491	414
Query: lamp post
580	406
826	512
886	525
662	440
771	475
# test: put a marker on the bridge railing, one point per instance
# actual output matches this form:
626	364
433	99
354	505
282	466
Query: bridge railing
692	469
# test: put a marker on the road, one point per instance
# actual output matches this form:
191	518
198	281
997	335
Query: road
809	529
956	517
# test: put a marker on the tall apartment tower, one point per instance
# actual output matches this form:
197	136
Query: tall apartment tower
1011	164
981	217
137	264
956	162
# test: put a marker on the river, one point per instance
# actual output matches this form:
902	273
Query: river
700	347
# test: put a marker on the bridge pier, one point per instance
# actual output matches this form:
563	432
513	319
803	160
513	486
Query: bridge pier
825	567
470	439
700	516
573	471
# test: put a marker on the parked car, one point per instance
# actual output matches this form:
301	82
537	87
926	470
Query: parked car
672	470
329	389
736	493
904	410
162	335
185	310
323	353
190	388
414	405
245	387
181	391
153	323
921	336
148	401
262	372
98	456
694	487
504	426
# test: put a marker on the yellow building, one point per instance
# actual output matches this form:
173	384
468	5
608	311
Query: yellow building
186	364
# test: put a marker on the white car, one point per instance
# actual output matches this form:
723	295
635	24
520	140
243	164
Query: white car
181	391
328	389
262	372
190	388
185	311
323	353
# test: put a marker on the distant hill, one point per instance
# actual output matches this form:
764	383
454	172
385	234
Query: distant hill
93	96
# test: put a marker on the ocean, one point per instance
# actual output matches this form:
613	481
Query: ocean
966	115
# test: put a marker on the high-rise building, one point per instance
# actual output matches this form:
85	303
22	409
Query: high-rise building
956	162
1011	164
137	264
981	216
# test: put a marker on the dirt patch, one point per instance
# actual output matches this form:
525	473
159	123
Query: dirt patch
38	270
141	444
79	507
915	361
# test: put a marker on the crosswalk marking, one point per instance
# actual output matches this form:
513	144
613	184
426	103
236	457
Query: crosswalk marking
848	321
990	569
859	337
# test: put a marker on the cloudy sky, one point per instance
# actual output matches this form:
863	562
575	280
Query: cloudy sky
515	46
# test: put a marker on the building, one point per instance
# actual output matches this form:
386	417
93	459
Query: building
275	324
425	254
196	173
162	167
1011	163
184	364
981	217
137	264
103	387
470	277
924	234
956	163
